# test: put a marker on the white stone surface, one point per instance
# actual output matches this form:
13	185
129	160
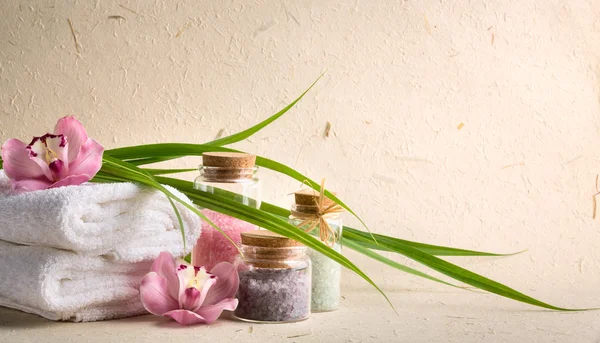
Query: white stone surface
522	76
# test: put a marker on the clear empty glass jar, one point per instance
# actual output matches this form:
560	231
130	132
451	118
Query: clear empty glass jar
233	172
275	279
326	273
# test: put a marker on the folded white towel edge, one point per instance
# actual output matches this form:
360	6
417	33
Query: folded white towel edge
131	308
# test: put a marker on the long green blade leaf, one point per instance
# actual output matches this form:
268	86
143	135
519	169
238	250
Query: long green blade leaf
354	237
282	212
167	171
444	267
270	222
436	250
461	274
254	129
161	151
150	160
175	150
367	252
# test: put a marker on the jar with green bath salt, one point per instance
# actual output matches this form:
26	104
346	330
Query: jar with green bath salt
320	216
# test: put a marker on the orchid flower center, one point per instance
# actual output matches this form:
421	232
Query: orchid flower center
199	279
49	149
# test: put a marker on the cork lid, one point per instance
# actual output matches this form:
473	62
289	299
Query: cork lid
310	197
267	239
228	160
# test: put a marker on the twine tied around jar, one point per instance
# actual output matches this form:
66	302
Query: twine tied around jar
316	216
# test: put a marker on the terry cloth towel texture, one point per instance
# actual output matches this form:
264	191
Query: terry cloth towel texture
63	285
122	221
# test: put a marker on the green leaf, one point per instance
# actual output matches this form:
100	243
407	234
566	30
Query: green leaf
167	171
175	150
171	149
254	129
428	248
150	160
265	220
387	243
436	250
170	197
367	252
282	212
459	273
161	152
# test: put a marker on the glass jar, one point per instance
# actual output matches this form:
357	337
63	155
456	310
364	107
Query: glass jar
233	172
275	279
326	273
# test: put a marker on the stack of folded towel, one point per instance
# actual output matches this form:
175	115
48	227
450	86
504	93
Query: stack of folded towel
79	252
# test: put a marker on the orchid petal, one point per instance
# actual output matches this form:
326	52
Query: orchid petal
226	285
30	185
185	317
211	313
37	153
165	267
155	296
75	133
73	180
38	148
17	164
89	159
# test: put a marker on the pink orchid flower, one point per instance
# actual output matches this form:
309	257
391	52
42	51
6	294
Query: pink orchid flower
189	294
67	157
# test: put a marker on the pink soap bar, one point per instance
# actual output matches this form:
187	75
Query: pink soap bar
212	247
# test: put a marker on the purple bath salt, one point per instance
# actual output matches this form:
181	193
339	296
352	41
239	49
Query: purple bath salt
275	279
274	295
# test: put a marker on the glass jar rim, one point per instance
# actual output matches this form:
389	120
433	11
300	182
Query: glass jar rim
273	254
298	248
228	174
203	167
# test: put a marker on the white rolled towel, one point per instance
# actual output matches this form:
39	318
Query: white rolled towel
119	220
62	285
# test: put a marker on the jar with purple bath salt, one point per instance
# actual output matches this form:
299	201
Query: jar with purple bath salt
275	279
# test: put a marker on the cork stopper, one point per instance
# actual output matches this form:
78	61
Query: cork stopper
310	197
267	239
228	166
234	160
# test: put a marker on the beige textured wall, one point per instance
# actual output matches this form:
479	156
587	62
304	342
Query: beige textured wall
401	76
